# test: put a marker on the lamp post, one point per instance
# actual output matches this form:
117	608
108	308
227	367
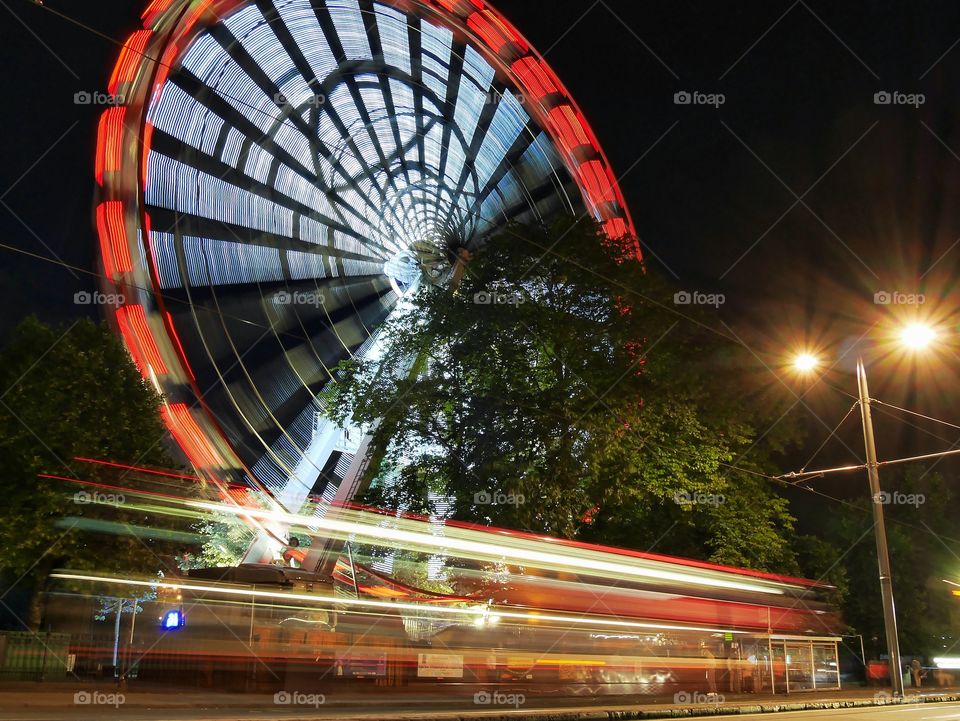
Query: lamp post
915	336
880	533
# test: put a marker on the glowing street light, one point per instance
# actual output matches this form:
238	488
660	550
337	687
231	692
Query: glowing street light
917	336
805	362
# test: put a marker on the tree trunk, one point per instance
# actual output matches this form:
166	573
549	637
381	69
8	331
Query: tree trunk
116	634
35	609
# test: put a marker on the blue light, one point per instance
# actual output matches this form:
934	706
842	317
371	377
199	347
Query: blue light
172	619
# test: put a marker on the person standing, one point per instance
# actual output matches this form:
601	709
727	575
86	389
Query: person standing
916	672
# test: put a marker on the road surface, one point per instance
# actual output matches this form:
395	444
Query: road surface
62	712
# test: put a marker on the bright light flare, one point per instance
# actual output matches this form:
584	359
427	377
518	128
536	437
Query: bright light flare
805	362
917	336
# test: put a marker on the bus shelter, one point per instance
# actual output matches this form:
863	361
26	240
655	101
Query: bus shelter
790	664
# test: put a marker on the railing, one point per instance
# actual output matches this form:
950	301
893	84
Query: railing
26	656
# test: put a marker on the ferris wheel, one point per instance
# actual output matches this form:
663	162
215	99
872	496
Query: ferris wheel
280	172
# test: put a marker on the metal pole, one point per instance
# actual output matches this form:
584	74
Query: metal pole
880	533
116	638
773	683
813	667
128	656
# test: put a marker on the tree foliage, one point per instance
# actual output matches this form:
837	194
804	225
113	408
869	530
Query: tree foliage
923	551
225	541
67	392
560	379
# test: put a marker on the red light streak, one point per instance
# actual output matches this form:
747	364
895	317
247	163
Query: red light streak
109	136
534	77
595	180
172	332
129	61
139	339
188	435
112	230
109	487
139	469
568	127
494	31
154	9
198	9
615	228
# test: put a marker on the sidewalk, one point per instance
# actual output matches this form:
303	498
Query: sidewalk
402	704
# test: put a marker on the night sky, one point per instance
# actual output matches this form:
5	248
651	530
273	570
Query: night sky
798	198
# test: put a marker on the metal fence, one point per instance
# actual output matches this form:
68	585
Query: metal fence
26	656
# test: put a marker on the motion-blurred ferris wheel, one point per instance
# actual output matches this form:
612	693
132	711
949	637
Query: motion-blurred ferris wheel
281	171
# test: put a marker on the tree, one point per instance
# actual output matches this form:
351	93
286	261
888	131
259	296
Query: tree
923	551
67	392
116	607
225	541
558	389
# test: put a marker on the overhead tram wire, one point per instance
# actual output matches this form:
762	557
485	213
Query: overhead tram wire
914	413
863	509
832	434
841	501
898	461
926	431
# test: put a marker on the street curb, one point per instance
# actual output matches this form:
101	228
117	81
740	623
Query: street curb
709	710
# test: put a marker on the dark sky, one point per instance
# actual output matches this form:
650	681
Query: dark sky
798	198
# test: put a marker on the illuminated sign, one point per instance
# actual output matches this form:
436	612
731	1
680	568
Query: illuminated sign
172	620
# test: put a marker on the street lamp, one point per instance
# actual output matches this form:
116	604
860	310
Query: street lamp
880	533
915	336
805	362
